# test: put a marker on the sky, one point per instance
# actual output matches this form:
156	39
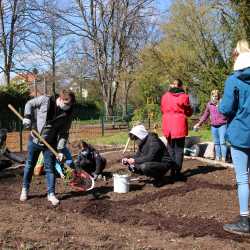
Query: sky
163	4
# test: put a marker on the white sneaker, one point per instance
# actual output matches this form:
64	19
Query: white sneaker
24	194
52	198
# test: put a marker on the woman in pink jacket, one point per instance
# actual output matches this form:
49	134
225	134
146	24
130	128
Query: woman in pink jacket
175	107
218	125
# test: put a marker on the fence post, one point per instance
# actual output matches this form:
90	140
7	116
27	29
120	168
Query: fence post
113	121
20	133
102	124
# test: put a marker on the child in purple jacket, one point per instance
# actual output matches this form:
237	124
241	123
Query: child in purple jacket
218	125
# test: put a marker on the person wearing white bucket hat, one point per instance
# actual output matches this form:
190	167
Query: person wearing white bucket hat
152	158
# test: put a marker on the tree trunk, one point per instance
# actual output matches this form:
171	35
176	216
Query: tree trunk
7	76
53	58
125	103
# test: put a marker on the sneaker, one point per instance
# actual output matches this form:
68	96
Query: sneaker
52	198
241	227
24	194
97	177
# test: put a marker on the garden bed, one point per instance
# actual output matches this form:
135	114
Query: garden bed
182	215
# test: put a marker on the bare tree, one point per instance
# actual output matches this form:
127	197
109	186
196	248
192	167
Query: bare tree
13	31
76	67
110	26
48	42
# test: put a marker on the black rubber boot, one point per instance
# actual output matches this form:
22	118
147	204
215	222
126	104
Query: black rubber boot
159	182
241	227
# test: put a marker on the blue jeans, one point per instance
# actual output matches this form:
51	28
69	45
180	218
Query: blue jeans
218	134
49	162
241	161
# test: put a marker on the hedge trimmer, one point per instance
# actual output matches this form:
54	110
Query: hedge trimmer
78	179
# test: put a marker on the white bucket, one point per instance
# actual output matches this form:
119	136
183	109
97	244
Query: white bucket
121	183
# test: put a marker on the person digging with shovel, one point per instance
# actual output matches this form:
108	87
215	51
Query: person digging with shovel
51	116
152	158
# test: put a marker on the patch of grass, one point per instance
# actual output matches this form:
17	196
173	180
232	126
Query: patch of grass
118	138
205	134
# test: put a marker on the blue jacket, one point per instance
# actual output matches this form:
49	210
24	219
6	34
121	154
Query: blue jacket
235	105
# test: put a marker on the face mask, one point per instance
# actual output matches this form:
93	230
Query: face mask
62	105
65	107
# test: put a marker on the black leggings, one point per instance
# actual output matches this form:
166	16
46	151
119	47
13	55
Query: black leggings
153	169
176	151
97	166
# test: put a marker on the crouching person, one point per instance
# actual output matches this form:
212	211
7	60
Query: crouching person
90	160
7	157
152	158
51	116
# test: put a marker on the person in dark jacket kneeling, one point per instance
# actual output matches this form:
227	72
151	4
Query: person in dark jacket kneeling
152	158
90	160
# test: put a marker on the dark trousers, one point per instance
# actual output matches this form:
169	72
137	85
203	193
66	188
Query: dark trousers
176	151
97	166
153	169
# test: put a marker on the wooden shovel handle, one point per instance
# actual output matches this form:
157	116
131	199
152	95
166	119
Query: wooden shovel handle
126	146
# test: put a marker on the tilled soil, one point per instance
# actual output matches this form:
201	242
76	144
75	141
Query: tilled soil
187	214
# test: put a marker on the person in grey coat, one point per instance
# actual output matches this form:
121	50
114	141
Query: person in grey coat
51	116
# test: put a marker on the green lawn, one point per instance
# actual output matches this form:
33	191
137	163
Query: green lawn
120	138
205	134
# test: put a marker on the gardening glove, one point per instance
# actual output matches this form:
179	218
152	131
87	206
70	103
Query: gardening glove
125	161
26	123
131	161
60	157
196	127
131	168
